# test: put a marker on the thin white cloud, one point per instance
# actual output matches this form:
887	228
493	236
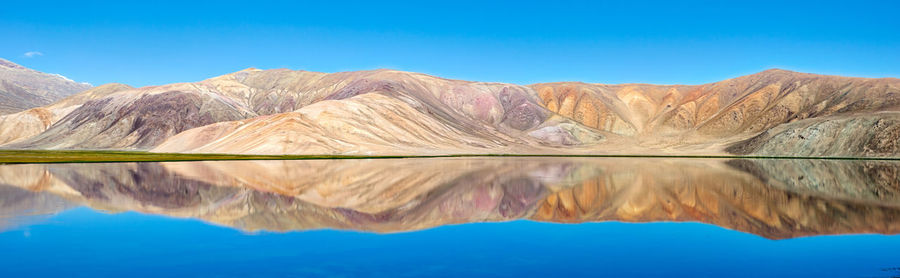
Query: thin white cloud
31	54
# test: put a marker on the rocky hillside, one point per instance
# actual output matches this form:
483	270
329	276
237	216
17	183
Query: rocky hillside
874	134
22	88
31	122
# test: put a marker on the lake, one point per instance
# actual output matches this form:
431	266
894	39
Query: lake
452	217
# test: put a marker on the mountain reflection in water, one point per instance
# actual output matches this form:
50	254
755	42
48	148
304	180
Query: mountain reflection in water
771	198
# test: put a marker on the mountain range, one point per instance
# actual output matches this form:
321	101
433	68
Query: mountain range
388	112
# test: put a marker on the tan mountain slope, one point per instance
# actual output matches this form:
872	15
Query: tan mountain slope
31	122
370	123
723	111
22	88
745	104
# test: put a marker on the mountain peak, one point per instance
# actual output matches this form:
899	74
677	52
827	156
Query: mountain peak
27	88
770	75
777	70
114	85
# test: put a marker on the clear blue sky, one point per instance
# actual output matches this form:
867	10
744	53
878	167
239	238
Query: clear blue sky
687	42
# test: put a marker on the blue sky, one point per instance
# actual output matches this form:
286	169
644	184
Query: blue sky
688	42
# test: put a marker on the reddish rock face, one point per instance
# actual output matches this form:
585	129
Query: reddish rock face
525	116
521	111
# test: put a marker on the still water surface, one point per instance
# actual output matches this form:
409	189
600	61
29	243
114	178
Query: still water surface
476	217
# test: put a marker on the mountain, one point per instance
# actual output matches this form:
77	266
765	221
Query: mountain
724	113
22	88
392	112
381	112
31	122
367	112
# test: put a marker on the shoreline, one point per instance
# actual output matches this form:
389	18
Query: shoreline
103	156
